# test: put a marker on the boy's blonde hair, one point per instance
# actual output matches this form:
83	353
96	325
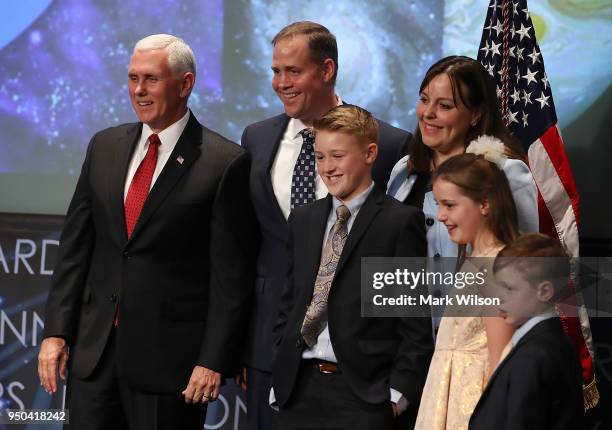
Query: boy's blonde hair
351	120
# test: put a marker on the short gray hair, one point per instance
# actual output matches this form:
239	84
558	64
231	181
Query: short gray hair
180	55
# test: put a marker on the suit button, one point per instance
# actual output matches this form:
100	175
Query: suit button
127	255
429	222
298	343
437	255
113	297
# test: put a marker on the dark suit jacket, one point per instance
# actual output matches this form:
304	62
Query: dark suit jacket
262	140
182	281
538	385
374	354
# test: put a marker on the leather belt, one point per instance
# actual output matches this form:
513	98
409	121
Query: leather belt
324	366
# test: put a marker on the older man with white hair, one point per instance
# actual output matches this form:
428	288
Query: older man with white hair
154	273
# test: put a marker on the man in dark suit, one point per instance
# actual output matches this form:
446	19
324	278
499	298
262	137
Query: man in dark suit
305	66
538	385
332	367
154	274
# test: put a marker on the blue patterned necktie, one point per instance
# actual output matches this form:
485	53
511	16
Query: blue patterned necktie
303	180
316	314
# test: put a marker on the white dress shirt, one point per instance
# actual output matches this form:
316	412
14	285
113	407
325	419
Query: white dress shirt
168	138
286	156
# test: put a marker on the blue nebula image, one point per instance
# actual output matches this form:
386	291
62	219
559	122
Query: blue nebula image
63	63
63	68
65	76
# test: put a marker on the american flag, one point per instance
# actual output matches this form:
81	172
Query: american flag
511	55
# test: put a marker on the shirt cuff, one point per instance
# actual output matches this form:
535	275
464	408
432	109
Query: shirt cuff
400	401
272	400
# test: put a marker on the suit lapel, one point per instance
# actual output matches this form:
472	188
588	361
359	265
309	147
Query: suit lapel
535	331
188	149
118	173
366	215
495	373
314	235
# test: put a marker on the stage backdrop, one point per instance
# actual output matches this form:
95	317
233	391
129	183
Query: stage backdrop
63	75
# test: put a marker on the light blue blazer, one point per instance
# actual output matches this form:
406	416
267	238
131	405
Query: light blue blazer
439	243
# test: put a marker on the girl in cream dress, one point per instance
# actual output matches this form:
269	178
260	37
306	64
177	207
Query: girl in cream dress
475	204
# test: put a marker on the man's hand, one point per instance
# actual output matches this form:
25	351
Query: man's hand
204	385
53	355
241	379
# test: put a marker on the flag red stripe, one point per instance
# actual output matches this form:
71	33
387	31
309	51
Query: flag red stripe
553	144
547	225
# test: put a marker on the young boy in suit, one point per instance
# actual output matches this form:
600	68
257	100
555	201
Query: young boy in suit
539	384
333	368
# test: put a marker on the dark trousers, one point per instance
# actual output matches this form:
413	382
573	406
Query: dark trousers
323	401
260	416
104	401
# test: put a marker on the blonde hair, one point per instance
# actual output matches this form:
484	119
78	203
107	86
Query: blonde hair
351	120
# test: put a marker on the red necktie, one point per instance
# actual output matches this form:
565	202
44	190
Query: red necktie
138	191
139	187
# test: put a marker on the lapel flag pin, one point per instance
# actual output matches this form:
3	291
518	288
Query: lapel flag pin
180	159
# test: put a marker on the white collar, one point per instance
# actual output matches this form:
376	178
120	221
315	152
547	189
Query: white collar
529	324
355	204
296	125
169	136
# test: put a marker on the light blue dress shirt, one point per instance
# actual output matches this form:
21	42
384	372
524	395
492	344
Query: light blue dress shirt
528	325
323	350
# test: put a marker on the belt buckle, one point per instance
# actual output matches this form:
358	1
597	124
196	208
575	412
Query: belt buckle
326	368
